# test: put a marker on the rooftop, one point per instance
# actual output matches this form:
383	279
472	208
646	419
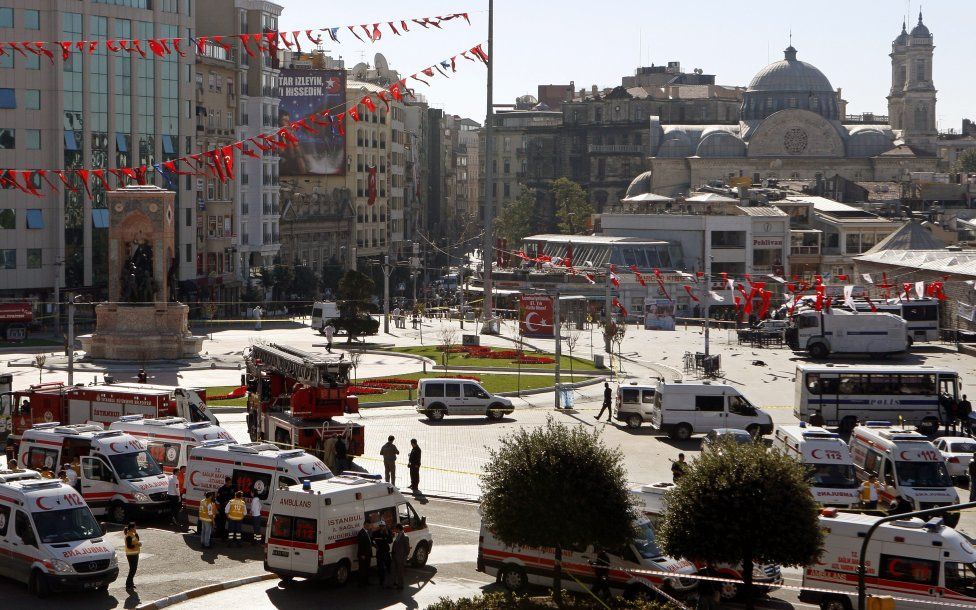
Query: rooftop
592	239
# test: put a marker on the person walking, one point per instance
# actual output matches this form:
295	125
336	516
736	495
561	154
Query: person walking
364	553
236	510
413	463
869	493
329	453
396	317
341	454
173	495
601	570
329	332
132	548
389	452
679	468
206	514
257	317
257	523
382	538
224	495
964	411
817	419
401	552
607	401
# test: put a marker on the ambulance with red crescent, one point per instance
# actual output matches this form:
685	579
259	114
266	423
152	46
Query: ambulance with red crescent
254	468
912	471
827	458
169	439
921	564
50	539
119	477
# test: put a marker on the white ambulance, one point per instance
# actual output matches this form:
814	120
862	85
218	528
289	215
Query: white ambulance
312	527
254	468
169	439
651	501
912	471
833	481
21	474
923	565
50	540
118	476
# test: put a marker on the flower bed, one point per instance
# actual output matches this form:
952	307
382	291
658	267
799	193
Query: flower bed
479	351
392	384
359	390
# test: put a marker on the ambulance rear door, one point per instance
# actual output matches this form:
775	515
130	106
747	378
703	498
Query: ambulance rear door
292	537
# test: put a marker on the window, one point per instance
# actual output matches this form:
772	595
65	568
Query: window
7	139
4	519
473	391
452	390
647	397
959	577
32	19
39	458
166	454
872	462
6	17
32	139
100	218
6	61
434	390
7	98
8	218
728	239
250	481
630	396
35	219
24	530
710	403
34	258
33	62
910	569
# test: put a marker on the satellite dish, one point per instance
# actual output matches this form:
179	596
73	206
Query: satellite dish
380	62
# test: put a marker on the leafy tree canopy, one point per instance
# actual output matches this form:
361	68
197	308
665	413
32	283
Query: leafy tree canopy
966	162
355	293
573	208
517	218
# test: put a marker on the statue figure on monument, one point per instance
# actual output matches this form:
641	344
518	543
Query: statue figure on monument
138	285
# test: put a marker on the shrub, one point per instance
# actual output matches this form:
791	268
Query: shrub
507	601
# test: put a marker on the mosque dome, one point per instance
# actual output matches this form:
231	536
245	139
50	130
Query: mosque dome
790	74
789	83
640	185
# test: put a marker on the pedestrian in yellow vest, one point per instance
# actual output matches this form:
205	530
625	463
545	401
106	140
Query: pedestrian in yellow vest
206	516
132	548
870	490
236	509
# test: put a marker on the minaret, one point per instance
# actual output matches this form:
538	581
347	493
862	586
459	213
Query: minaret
898	78
918	93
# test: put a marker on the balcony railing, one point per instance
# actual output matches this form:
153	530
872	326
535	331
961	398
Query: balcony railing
814	250
630	149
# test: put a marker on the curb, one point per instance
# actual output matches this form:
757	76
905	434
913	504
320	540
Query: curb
204	590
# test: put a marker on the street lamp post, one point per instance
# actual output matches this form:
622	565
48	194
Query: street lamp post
386	293
557	333
489	238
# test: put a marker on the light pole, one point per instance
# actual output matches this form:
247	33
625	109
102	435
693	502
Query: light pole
557	333
708	301
489	240
386	293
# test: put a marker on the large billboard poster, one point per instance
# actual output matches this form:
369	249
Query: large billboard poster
659	314
304	92
535	315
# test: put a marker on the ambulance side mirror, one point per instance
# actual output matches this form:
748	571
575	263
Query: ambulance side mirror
103	528
423	523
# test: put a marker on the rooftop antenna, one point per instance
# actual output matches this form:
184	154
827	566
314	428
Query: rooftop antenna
791	37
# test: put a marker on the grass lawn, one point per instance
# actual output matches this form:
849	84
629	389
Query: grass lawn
431	351
493	382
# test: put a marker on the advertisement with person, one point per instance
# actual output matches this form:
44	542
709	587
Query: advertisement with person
535	315
304	92
659	314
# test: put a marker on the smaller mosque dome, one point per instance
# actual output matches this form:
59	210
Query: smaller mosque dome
920	31
640	185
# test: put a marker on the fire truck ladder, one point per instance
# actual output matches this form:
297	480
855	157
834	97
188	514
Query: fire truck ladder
317	370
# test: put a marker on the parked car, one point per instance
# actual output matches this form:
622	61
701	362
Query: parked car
437	397
740	437
958	453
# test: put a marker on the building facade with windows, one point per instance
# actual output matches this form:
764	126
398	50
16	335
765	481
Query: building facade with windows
98	110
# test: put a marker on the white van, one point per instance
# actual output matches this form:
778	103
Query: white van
312	527
833	481
844	332
21	474
118	476
515	568
440	396
635	403
922	565
169	439
911	469
684	408
650	500
50	539
258	468
322	312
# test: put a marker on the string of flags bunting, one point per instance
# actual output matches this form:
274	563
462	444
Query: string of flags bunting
219	163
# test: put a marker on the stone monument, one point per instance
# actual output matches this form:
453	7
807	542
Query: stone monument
141	321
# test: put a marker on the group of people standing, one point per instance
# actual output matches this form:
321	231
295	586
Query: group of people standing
224	512
392	552
389	453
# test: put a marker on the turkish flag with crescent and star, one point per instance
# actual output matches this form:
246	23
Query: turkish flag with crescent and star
371	184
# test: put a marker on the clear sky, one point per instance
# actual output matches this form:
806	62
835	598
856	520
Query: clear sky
597	43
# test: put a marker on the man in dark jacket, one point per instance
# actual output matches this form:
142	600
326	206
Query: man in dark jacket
341	455
382	539
225	493
401	553
607	401
413	462
364	553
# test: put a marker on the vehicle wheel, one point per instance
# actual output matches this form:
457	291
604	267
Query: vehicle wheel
118	513
420	555
436	412
285	577
102	588
911	341
634	421
818	351
341	576
513	578
834	602
495	412
754	431
951	519
929	426
38	584
681	432
729	590
847	424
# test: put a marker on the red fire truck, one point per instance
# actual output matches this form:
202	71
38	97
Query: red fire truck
294	398
14	320
103	404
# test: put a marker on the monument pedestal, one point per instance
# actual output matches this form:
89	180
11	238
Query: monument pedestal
136	331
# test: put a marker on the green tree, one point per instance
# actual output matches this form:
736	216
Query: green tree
267	280
517	219
355	295
305	283
282	276
573	208
768	494
535	471
966	162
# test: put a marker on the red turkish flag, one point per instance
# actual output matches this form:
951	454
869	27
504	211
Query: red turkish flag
371	184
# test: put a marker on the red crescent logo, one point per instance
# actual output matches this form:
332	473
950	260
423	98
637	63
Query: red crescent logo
301	469
207	437
902	455
530	325
112	447
814	455
193	473
40	504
